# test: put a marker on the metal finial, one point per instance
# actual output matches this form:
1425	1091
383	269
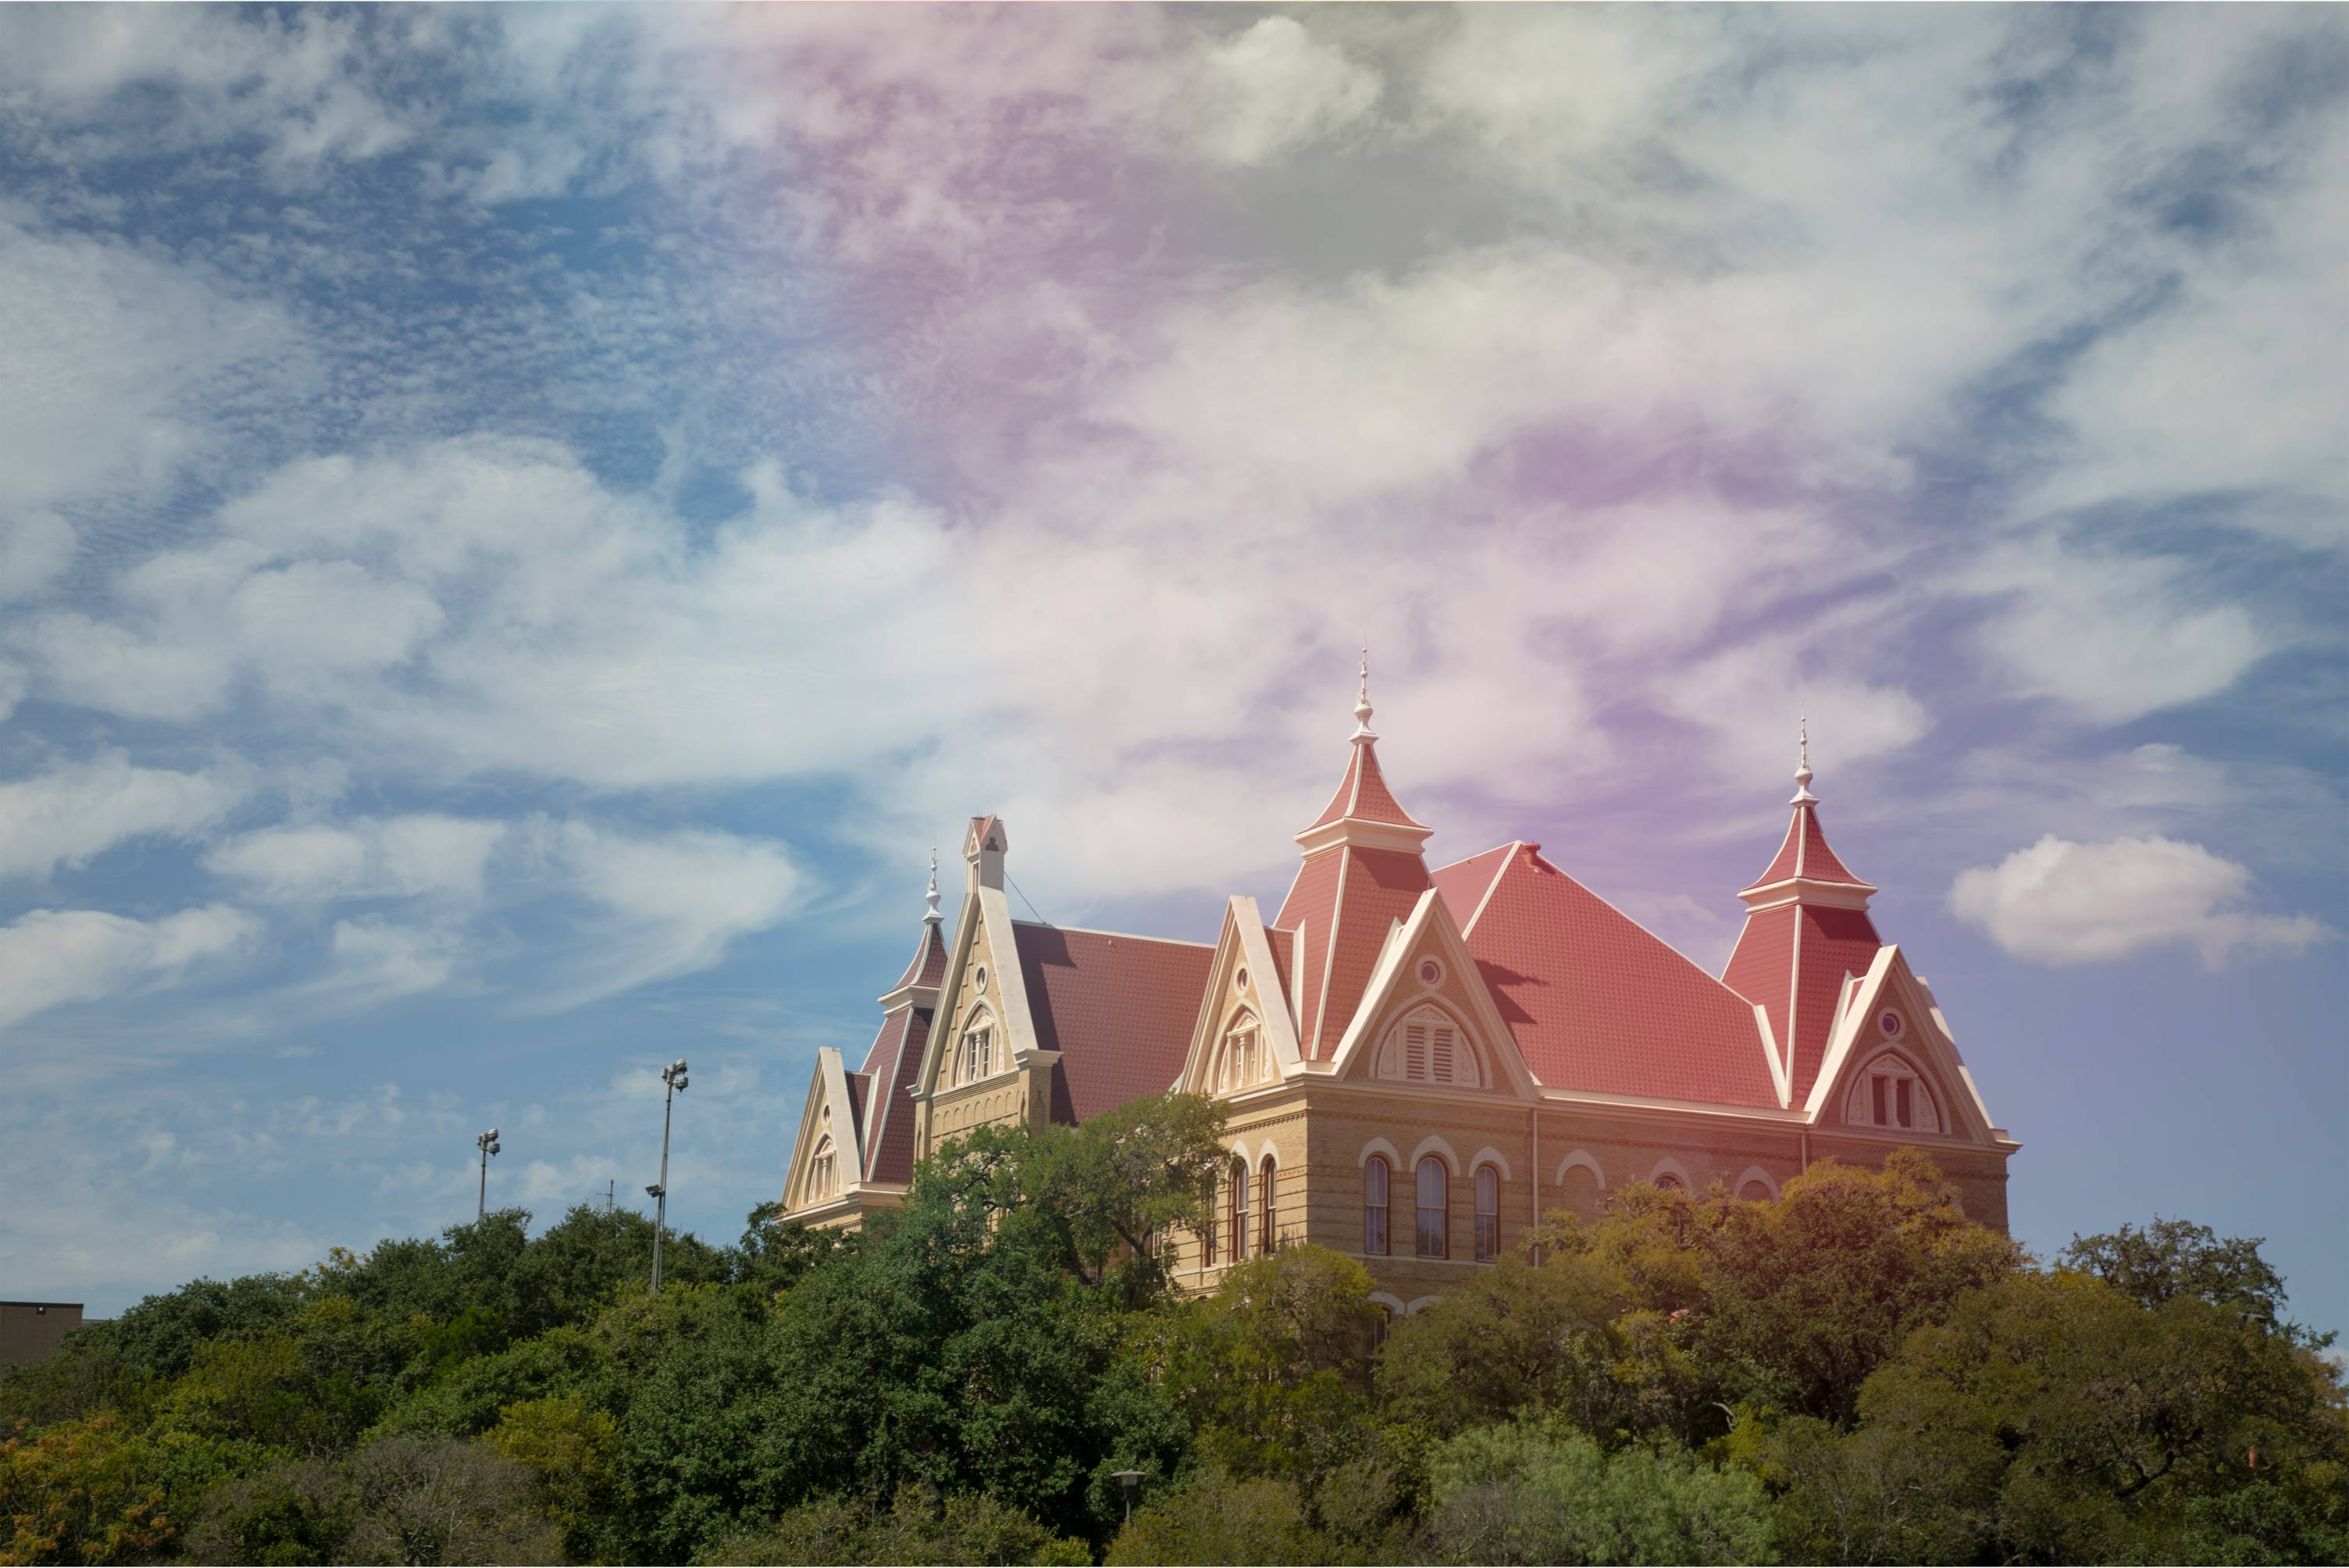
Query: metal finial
934	917
1803	796
1362	703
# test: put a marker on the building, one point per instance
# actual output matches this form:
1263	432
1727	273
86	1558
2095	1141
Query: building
1417	1062
33	1331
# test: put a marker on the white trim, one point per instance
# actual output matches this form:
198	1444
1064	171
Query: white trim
1508	858
1433	1143
1794	996
1755	1173
1238	1149
1780	1077
1430	926
1312	1040
1488	1155
1806	890
1588	1161
1380	1146
1386	1299
1668	1166
1424	1302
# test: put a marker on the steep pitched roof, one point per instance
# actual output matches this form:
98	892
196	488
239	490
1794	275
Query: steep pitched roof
1363	794
1118	1008
1596	1001
891	1066
927	968
1344	902
1792	959
1804	854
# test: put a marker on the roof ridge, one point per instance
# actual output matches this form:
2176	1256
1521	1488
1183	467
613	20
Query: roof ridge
1129	936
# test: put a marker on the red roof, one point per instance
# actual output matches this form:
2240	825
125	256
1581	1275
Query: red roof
1597	1003
1363	794
1344	902
928	967
1804	854
1801	999
1118	1008
888	1125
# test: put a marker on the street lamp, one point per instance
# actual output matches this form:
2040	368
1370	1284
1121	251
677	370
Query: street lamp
1131	1482
672	1075
487	1144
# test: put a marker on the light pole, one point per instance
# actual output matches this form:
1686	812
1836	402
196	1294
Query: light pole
672	1075
487	1144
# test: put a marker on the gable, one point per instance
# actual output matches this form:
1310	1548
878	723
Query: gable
1242	995
1887	1029
982	974
1427	1017
827	1156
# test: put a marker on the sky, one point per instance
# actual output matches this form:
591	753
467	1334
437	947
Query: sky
521	528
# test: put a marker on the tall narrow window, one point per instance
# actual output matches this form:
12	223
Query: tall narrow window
1900	1092
1876	1087
1434	1205
1239	1211
1374	1205
1270	1244
1488	1213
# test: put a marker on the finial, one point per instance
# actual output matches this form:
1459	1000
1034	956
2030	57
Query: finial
1362	703
1803	796
934	917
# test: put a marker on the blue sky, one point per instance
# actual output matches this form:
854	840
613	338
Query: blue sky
520	528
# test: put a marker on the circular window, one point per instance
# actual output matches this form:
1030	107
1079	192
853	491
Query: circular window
1239	981
1430	972
980	979
1889	1023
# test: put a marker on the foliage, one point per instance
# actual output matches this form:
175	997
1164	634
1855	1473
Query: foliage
1523	1494
81	1491
1852	1373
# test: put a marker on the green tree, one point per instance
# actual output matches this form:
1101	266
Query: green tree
442	1501
81	1491
2174	1258
1215	1519
918	1527
1525	1493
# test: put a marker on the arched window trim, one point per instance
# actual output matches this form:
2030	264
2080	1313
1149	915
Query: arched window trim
1668	1166
1861	1095
978	1048
1395	1061
1243	1058
1752	1174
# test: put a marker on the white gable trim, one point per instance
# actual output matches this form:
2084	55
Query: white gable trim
1781	1078
1924	1042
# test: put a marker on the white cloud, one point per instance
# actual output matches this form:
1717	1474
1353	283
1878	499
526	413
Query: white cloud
393	857
1273	88
77	809
49	957
35	548
2061	903
374	960
2111	636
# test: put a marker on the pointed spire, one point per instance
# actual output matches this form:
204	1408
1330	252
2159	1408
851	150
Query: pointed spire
934	917
1362	704
1803	796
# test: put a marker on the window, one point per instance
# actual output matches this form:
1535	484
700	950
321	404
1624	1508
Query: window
1488	1213
824	1177
1668	1182
1239	1210
1434	1204
1892	1094
1243	1061
1374	1205
1426	1048
1270	1241
975	1056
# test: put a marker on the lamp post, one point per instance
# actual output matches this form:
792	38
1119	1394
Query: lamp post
672	1075
1131	1482
487	1144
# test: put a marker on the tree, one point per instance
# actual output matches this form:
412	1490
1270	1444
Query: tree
1218	1519
444	1501
2052	1418
1517	1339
1525	1494
2174	1258
916	1527
81	1491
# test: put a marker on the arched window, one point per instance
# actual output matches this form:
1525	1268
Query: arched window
1271	1243
1239	1210
1242	1059
1892	1094
1374	1205
823	1174
1426	1046
1488	1213
1433	1206
974	1056
1667	1182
